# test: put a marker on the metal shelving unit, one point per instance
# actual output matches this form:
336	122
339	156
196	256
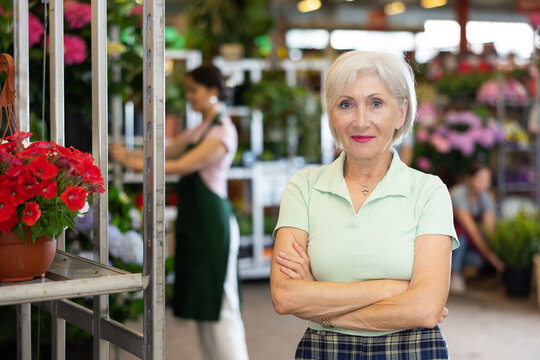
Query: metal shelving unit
268	179
71	276
511	156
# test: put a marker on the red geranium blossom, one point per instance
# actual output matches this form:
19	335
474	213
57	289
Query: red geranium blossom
41	167
90	172
31	213
17	170
43	178
74	197
49	189
29	186
7	205
14	188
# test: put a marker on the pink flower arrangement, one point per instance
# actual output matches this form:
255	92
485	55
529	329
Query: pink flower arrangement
514	93
43	185
74	50
77	14
35	30
454	140
423	163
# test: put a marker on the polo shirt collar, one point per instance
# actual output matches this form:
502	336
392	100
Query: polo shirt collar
396	182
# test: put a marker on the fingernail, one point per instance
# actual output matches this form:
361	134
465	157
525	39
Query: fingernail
282	254
279	258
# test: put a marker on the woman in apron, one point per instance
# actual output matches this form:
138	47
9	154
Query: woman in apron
207	235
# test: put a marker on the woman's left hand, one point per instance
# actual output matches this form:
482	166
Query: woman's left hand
295	267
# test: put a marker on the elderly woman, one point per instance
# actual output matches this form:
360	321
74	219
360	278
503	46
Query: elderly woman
363	245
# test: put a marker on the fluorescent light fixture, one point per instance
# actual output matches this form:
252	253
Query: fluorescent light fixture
309	5
307	38
507	37
390	41
428	4
396	7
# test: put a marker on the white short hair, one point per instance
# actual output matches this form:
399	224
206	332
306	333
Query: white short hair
393	71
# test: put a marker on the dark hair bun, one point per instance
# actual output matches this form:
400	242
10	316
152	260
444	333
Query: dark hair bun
211	77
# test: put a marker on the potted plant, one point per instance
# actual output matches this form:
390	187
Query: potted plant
514	241
43	187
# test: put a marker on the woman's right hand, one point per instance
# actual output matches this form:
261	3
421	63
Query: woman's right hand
496	262
295	267
118	153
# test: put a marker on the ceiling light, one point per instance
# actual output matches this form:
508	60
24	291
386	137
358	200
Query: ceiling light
309	5
396	7
428	4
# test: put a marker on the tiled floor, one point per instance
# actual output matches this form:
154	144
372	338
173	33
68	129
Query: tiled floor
483	325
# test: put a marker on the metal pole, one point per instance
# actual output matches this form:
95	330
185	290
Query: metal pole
24	332
56	95
154	178
20	32
99	150
116	107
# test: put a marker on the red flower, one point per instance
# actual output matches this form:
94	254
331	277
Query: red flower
42	168
19	136
8	224
74	197
31	213
49	189
18	170
29	186
14	188
7	205
91	174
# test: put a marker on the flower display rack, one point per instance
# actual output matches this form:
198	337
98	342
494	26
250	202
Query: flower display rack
72	276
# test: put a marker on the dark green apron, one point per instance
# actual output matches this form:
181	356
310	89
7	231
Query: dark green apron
202	247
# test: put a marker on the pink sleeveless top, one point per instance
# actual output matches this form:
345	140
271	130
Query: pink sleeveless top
214	175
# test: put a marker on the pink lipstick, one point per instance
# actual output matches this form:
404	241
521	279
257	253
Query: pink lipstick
362	138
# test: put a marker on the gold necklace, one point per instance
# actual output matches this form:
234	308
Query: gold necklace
365	189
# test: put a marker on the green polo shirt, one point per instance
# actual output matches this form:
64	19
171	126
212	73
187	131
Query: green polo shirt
378	241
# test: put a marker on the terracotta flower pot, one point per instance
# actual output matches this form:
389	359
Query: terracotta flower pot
22	262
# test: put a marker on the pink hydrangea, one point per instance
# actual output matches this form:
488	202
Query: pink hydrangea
423	163
427	114
441	143
74	50
534	19
35	30
136	10
77	14
422	135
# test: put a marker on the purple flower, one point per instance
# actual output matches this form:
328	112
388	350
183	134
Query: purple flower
463	118
77	14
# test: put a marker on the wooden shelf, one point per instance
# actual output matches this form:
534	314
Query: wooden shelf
71	276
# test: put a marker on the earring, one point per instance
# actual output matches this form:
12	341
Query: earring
213	99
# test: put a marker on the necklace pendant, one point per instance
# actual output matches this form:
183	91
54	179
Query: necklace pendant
365	190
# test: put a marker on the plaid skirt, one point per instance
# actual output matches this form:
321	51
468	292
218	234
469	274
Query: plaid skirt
413	344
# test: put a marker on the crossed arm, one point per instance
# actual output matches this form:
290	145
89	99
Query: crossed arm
376	305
